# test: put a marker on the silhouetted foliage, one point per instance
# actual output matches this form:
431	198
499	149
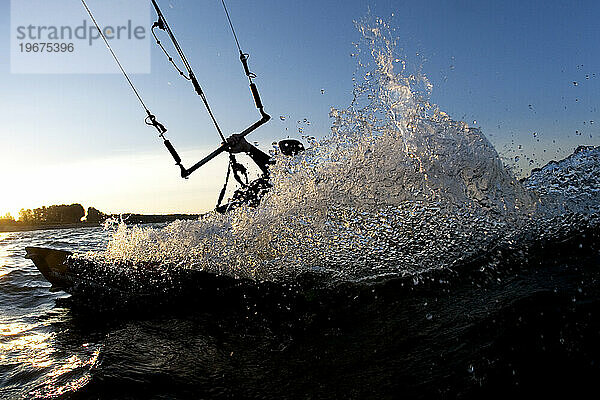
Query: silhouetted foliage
61	214
57	215
7	220
94	215
26	216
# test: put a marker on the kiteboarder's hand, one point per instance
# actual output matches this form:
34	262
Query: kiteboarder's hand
238	144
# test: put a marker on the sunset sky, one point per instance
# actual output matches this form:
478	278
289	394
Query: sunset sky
513	68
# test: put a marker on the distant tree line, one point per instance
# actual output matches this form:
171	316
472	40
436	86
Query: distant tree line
7	220
61	214
75	213
94	215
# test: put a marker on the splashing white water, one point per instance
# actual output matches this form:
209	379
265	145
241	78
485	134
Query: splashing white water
397	188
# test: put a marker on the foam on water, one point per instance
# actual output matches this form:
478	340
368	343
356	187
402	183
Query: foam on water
395	189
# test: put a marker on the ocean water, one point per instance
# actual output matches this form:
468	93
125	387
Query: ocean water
512	323
398	257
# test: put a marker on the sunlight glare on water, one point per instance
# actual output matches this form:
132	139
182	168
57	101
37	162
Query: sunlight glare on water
36	359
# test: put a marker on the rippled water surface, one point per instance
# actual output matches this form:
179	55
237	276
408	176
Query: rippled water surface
512	324
36	360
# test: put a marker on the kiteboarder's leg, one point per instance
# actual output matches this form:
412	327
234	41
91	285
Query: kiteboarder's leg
252	193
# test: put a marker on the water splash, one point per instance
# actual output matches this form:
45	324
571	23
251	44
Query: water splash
397	188
571	185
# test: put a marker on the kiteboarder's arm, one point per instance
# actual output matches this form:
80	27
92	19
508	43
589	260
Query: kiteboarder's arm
238	144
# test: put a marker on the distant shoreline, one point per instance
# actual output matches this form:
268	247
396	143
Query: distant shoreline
133	219
30	228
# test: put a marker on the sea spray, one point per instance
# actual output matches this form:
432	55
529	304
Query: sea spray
396	188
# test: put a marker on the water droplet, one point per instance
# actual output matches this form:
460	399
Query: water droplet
322	91
471	369
281	117
575	83
517	158
429	317
535	134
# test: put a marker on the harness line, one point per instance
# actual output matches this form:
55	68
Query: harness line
238	170
164	25
150	119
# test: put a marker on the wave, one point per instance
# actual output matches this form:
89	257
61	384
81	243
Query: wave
395	189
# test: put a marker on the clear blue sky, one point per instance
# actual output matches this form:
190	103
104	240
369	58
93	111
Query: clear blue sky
508	65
